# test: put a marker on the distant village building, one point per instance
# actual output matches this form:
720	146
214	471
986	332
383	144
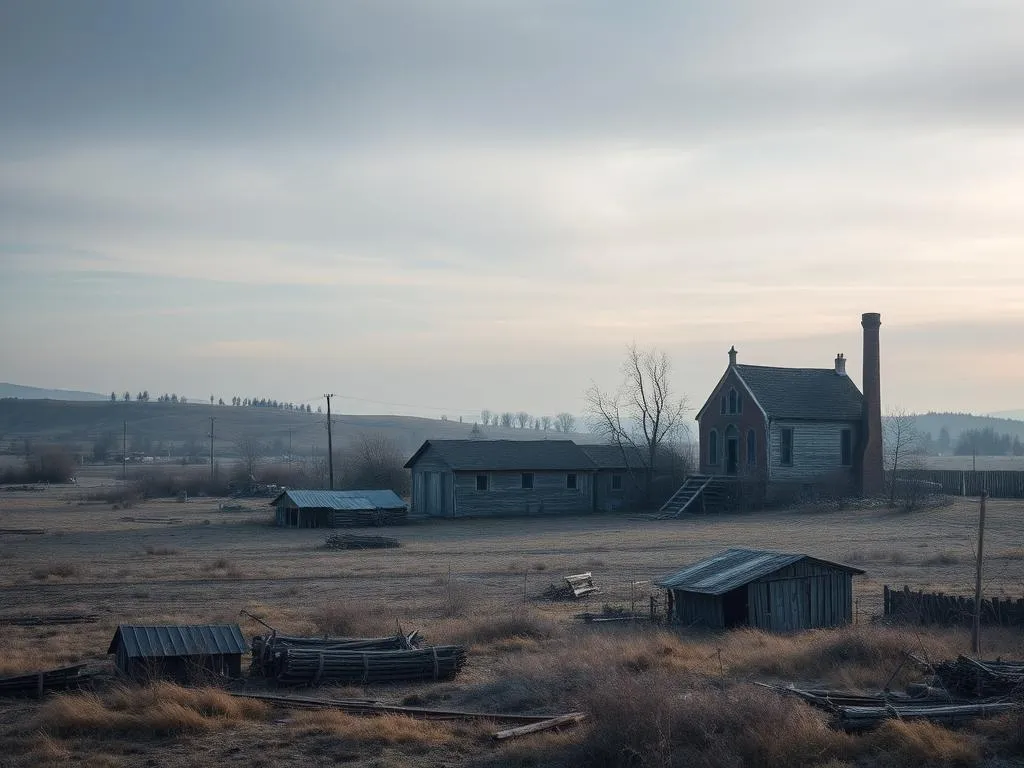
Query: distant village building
792	429
767	590
476	478
336	509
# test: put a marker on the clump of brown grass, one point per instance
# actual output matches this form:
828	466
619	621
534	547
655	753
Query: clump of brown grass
60	570
152	549
518	624
161	709
540	566
223	567
1011	554
919	742
891	556
353	620
386	730
1005	733
942	558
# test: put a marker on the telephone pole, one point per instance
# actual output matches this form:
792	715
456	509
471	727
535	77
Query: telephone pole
976	628
124	453
212	478
330	445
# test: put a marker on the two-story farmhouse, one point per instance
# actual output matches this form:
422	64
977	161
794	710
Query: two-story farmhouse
793	428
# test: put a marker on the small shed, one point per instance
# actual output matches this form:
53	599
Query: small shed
768	590
183	653
335	509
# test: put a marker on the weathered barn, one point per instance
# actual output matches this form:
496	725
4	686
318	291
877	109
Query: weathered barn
335	509
791	430
184	653
767	590
620	475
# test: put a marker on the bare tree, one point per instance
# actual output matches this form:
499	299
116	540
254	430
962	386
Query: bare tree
485	417
522	419
644	412
545	423
376	462
507	419
566	422
900	449
251	450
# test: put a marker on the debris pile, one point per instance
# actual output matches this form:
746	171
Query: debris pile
353	541
38	683
973	678
575	587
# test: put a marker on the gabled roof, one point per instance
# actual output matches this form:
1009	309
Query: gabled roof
512	455
353	501
615	457
151	642
803	393
733	568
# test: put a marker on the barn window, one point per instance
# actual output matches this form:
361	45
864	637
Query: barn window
481	482
751	448
713	447
846	447
527	480
616	482
787	446
570	481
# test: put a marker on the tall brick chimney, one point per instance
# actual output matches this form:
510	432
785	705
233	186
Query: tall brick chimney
872	477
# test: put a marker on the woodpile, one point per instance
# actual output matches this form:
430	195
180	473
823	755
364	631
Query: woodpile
264	647
973	678
38	683
353	541
575	587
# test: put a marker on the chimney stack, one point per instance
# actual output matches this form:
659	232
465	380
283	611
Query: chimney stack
840	365
732	356
872	477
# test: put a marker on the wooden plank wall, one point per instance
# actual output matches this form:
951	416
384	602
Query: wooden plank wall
696	610
1001	484
816	451
949	610
506	496
801	596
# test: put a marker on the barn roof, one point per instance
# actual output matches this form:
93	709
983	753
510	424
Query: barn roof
614	456
351	501
183	640
733	568
513	455
802	393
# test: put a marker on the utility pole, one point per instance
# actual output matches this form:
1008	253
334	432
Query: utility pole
289	449
124	453
976	629
212	478
330	445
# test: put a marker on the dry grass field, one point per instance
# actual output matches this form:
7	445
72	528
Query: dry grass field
658	697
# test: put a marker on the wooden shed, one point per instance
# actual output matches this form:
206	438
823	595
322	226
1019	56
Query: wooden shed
768	590
185	653
335	509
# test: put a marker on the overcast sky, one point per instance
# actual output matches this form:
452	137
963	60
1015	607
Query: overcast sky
448	206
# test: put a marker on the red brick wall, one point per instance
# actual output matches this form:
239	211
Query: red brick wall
751	418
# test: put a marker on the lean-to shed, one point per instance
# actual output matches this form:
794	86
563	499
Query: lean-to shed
334	509
183	652
768	590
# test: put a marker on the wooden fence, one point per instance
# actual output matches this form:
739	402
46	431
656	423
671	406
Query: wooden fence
938	608
1000	484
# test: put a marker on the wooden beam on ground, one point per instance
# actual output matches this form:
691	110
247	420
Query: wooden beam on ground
573	718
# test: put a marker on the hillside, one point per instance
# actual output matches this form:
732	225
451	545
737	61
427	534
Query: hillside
155	427
956	423
38	393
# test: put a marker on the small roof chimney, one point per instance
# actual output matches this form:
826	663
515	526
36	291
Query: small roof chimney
840	365
732	356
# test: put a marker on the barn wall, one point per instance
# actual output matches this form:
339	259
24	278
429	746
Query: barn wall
433	491
631	495
817	455
697	610
505	496
805	595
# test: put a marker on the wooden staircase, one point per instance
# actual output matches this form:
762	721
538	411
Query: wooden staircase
691	496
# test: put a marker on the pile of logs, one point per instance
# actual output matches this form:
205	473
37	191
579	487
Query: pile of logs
38	683
265	647
983	679
352	541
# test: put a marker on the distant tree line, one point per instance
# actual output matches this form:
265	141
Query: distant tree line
988	442
242	402
563	422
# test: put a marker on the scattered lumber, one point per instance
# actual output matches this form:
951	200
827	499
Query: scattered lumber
859	718
43	681
561	721
354	541
48	619
265	647
310	666
575	587
367	707
23	531
157	520
982	679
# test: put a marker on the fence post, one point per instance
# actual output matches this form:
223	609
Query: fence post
976	630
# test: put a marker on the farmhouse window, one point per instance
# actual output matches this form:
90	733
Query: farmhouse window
713	447
570	481
527	479
723	405
616	482
481	482
787	446
846	447
733	401
751	448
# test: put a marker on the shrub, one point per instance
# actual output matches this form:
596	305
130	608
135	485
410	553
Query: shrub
60	570
383	730
52	464
353	620
942	558
918	742
517	624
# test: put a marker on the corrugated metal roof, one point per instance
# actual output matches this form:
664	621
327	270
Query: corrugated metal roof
735	567
509	455
181	640
803	393
350	501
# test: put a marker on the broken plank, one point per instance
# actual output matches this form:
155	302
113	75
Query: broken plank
573	718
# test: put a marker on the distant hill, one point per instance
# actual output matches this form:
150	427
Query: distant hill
160	426
956	423
38	393
1015	415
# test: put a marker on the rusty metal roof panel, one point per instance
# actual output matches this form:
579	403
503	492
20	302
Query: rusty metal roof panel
349	501
733	568
150	642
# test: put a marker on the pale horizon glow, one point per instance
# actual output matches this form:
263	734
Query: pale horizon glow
460	205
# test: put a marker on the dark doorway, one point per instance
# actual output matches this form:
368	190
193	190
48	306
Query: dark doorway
732	456
734	608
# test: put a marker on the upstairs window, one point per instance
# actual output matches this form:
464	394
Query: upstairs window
751	448
570	481
616	482
732	401
723	405
527	480
786	436
481	482
846	447
713	447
